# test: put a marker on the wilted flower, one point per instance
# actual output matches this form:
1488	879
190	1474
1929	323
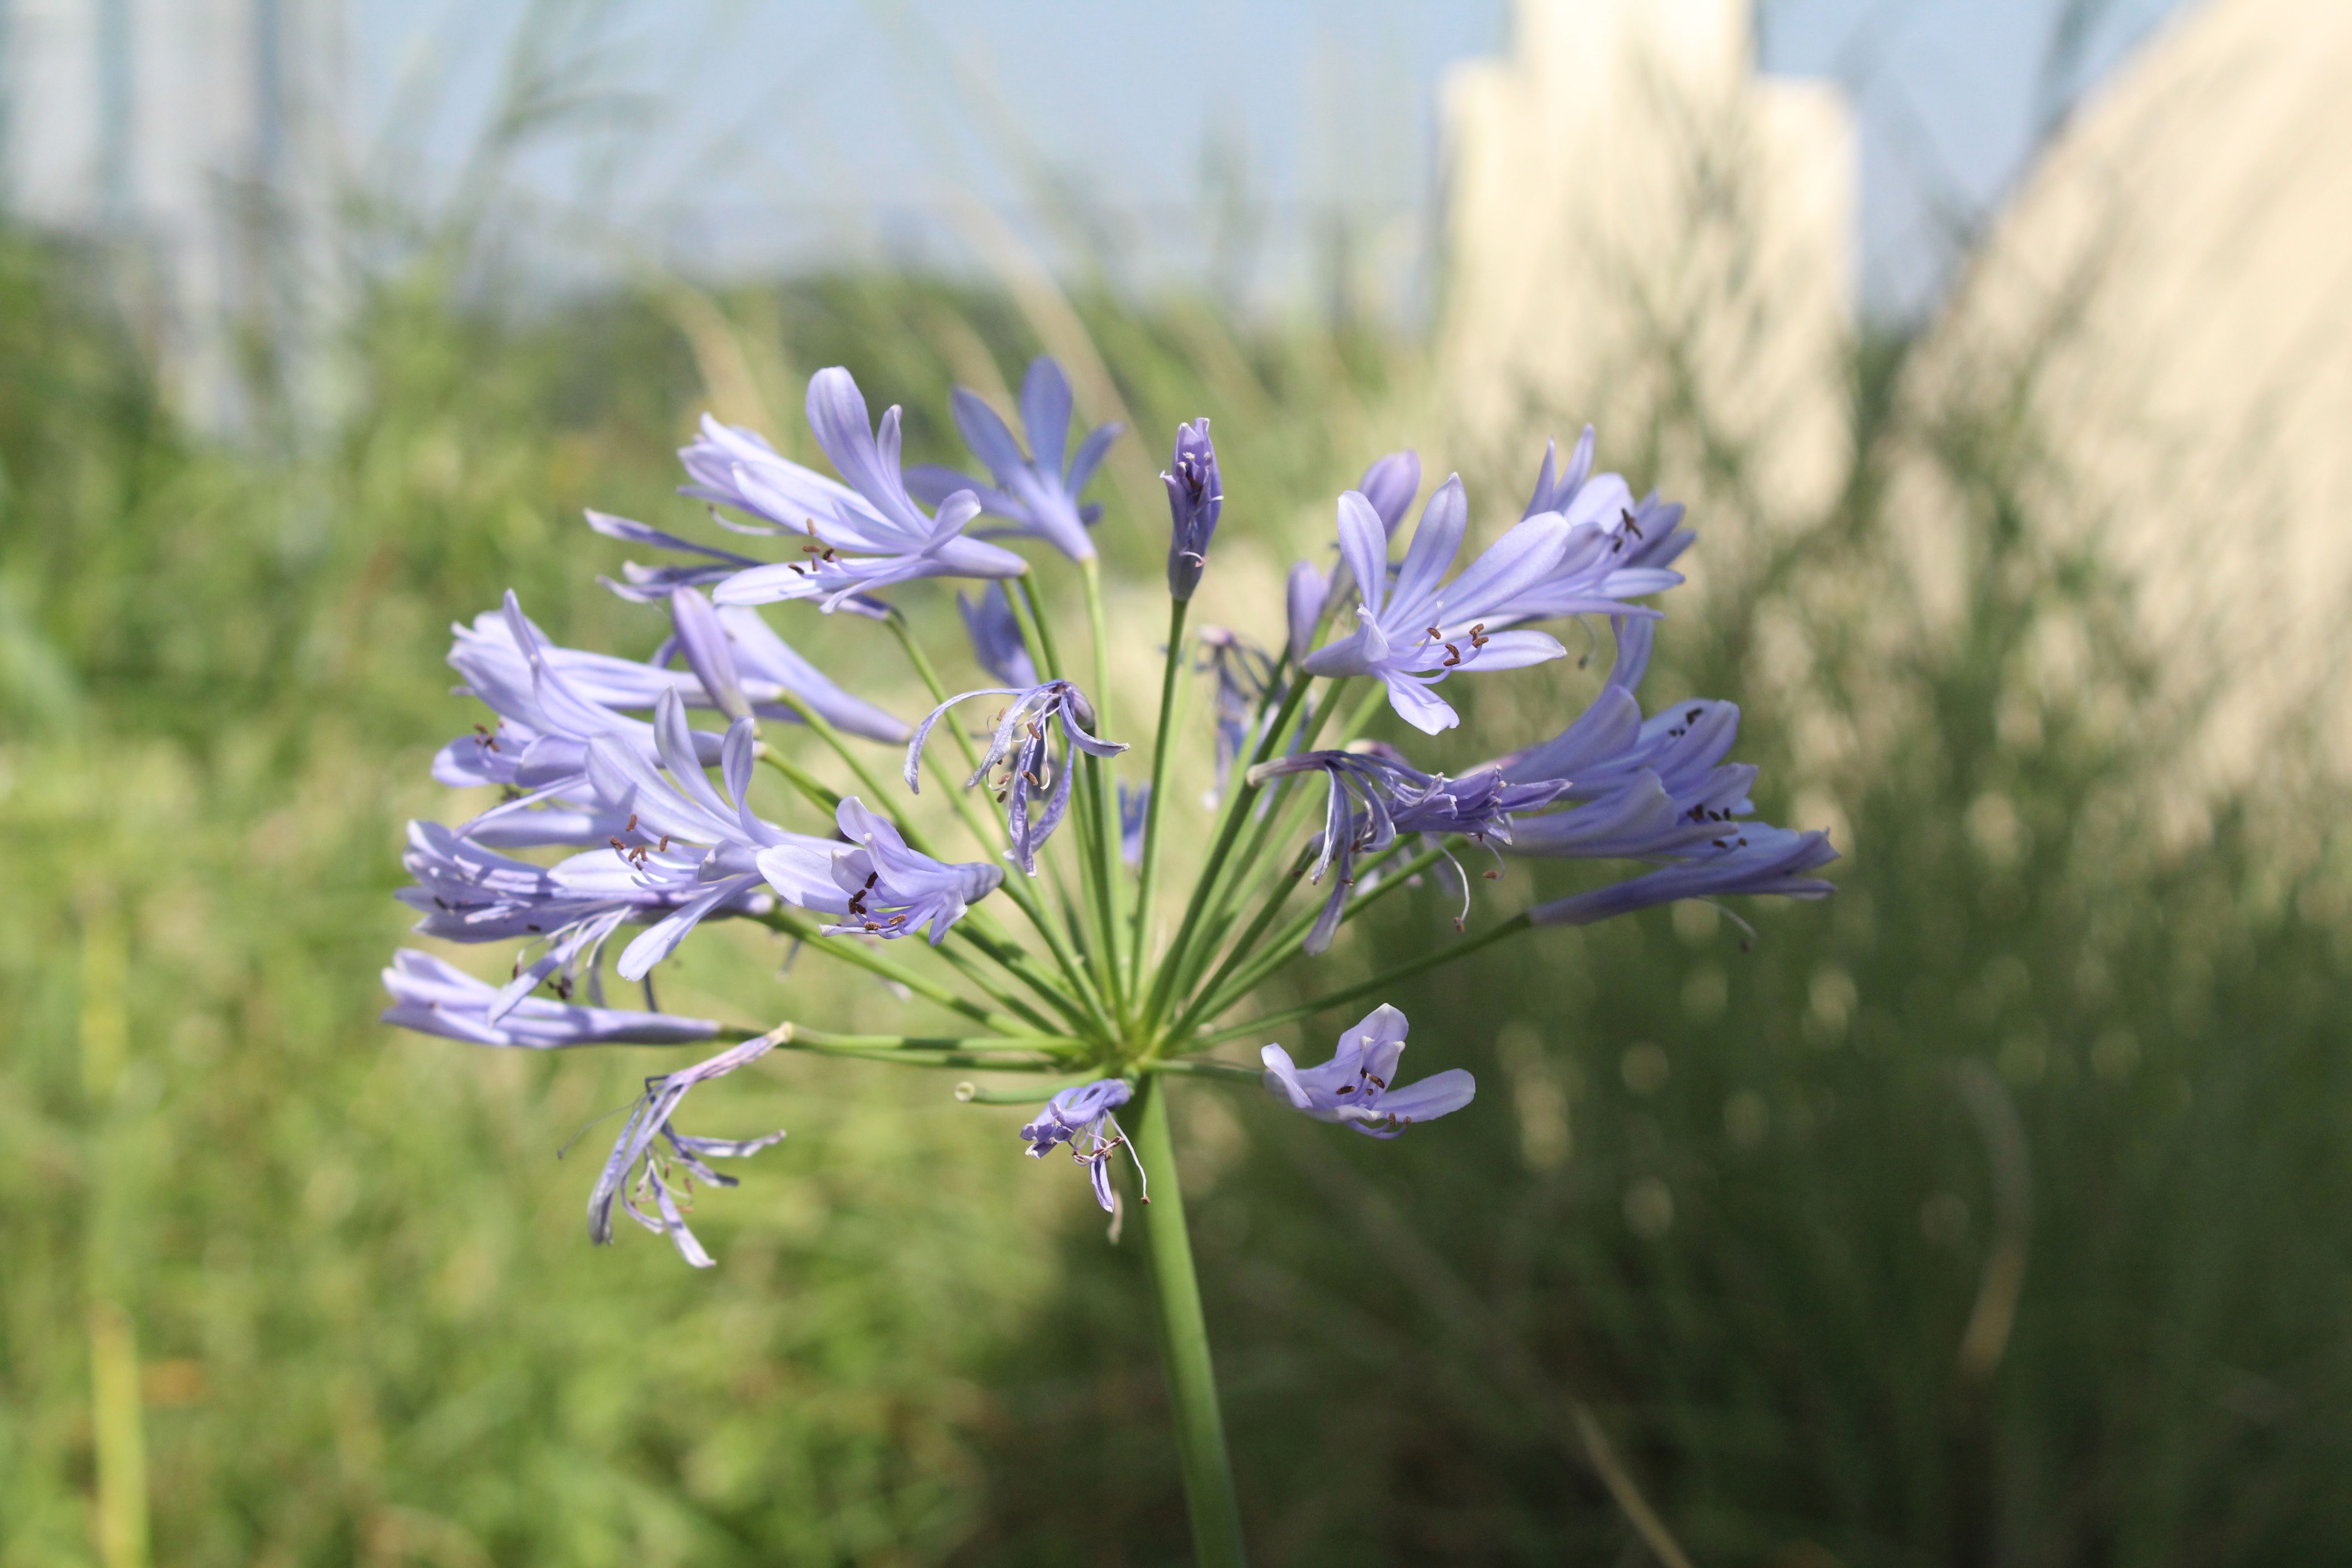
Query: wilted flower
1022	747
639	1147
1375	795
1358	1085
436	998
1032	492
865	535
1077	1116
995	633
881	887
1196	499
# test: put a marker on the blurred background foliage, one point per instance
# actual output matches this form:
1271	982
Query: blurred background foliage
1996	1211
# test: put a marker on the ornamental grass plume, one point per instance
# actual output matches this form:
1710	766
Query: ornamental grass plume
1039	935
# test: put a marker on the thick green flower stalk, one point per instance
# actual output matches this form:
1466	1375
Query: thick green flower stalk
1038	920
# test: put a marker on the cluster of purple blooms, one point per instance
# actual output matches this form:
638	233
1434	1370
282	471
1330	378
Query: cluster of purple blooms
597	757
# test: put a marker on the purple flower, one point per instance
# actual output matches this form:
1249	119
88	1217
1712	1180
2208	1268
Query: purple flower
1415	632
1656	535
1388	487
1357	1086
1759	859
1022	746
865	535
639	1147
434	998
1374	795
1617	550
538	748
995	633
877	884
1196	499
1245	673
1033	493
654	584
1077	1116
1656	789
1639	788
677	803
466	892
735	663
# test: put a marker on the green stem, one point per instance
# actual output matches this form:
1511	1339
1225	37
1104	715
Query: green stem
1229	893
982	827
1184	1342
1077	1004
1227	1072
996	1053
1112	886
879	801
1041	643
1149	875
1287	948
795	924
1236	812
976	929
1426	962
950	952
1242	949
818	795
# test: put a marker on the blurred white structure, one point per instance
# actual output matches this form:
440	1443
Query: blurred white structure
2163	321
198	139
1639	226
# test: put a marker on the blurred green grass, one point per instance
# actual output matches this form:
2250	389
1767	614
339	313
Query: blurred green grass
1748	1206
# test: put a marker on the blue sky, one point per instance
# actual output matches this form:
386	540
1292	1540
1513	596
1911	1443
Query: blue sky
1212	137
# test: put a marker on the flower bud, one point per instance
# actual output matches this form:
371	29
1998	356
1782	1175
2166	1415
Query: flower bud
1196	497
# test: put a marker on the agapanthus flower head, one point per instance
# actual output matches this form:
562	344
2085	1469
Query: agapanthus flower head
1033	490
1356	1088
995	635
1246	676
877	884
858	537
436	998
1416	632
1196	499
1021	746
1081	1117
668	1162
